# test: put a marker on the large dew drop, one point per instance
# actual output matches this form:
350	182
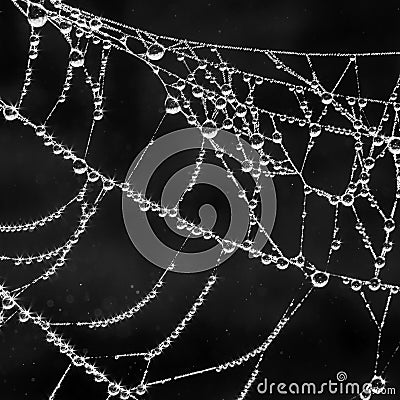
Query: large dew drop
79	166
209	129
37	15
257	141
76	58
10	113
377	384
228	246
172	105
319	279
247	165
394	145
155	52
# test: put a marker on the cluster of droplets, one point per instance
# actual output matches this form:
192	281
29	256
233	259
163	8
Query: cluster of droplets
221	99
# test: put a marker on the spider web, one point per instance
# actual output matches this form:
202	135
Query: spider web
272	109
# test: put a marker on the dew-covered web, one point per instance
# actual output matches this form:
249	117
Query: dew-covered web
212	94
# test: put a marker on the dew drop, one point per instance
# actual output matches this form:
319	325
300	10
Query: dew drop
374	284
326	98
356	285
155	52
315	130
95	24
65	27
172	105
93	176
319	279
241	110
228	246
377	384
257	141
79	167
113	389
277	137
141	390
108	184
227	124
394	145
282	263
98	114
76	58
37	15
10	113
389	225
347	199
209	129
23	316
220	103
247	165
226	89
379	262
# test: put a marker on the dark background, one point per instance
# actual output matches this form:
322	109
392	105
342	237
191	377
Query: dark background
105	274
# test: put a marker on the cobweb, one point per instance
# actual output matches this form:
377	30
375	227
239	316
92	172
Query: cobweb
292	113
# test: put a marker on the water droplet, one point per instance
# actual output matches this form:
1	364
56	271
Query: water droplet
241	110
389	225
227	124
257	141
282	263
226	89
98	114
374	284
377	384
172	105
37	15
93	176
247	165
266	259
79	167
209	129
277	137
113	389
76	58
394	145
10	113
347	199
108	184
124	395
95	24
326	98
181	224
319	279
356	285
220	103
197	91
379	262
23	316
7	303
155	52
65	27
315	130
141	390
228	246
